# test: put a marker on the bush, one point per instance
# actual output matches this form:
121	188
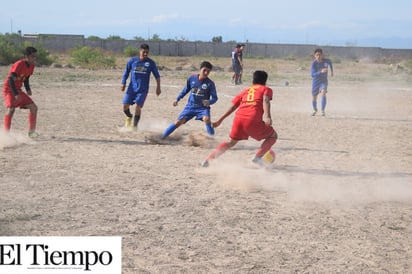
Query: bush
130	51
92	58
11	51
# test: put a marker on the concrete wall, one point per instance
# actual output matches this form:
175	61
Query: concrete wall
174	48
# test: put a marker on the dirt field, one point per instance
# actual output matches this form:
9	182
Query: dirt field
337	200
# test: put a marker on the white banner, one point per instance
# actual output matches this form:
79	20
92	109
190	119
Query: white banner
61	255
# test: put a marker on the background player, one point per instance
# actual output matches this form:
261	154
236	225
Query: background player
319	72
13	94
139	70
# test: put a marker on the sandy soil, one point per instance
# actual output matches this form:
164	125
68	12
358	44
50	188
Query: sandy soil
337	199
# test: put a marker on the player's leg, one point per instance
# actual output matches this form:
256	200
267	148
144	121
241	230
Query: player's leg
219	150
129	115
8	117
137	114
172	127
262	131
323	101
32	119
127	102
209	128
314	104
265	147
139	101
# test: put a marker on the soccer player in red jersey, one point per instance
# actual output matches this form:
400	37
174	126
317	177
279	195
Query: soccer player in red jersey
252	119
13	94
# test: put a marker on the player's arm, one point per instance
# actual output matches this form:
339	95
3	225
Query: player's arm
156	74
125	75
314	73
213	95
158	90
27	85
182	94
267	118
225	115
331	68
12	78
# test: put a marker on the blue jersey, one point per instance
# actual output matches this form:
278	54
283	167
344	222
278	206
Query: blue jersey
199	91
320	79
139	71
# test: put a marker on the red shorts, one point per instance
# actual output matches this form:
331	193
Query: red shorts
242	129
10	101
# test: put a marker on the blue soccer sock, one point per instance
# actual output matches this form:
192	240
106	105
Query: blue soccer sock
323	103
169	130
314	105
210	130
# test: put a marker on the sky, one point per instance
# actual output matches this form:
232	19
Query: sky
370	23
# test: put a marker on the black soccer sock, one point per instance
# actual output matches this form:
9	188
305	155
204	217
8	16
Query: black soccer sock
136	120
128	113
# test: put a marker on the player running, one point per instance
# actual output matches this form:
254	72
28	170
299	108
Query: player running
139	69
319	72
13	94
252	119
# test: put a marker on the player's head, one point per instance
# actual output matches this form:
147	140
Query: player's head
206	64
29	51
318	54
318	50
144	51
30	54
260	77
144	46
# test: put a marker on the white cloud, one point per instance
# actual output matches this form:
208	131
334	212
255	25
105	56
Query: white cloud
164	18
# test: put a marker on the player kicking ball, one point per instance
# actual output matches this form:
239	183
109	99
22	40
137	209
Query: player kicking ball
252	119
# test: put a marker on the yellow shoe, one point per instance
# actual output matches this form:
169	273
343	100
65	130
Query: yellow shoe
128	122
33	134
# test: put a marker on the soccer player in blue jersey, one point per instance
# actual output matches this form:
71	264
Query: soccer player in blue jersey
202	94
139	70
319	72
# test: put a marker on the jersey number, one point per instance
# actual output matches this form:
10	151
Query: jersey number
250	95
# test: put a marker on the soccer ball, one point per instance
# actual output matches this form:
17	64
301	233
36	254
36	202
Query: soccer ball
269	157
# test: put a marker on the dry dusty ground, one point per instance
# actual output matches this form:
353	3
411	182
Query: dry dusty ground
338	199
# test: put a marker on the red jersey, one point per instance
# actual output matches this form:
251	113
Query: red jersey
23	70
250	102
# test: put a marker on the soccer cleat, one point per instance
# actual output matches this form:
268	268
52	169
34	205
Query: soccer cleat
128	122
204	163
33	134
314	112
257	160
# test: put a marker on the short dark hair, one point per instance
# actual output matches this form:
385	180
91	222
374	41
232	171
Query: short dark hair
29	51
318	50
206	64
260	77
144	46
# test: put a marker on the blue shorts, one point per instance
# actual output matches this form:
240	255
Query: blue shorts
134	98
317	89
194	111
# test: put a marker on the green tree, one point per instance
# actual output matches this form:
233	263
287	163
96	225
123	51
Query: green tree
217	39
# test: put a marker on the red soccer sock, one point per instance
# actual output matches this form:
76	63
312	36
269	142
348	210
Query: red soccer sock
32	121
266	145
7	122
219	150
